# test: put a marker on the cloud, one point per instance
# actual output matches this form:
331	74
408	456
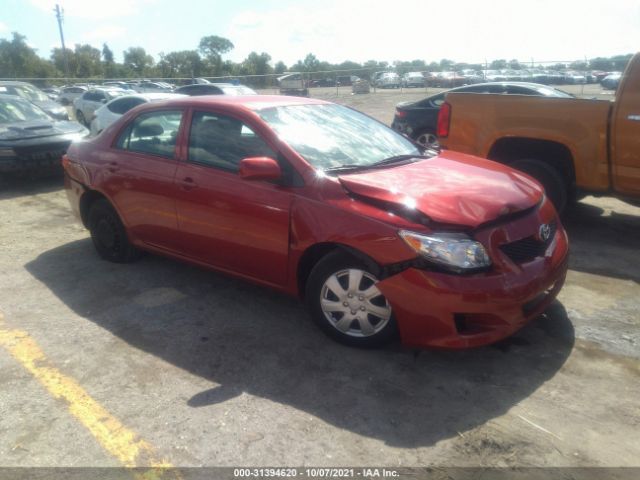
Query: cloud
465	30
93	9
3	28
103	34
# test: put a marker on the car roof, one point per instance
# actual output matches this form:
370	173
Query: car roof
245	102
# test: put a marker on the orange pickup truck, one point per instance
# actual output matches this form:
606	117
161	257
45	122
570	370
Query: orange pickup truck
570	145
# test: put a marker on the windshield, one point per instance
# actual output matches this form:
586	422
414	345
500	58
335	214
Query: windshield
14	110
31	94
330	136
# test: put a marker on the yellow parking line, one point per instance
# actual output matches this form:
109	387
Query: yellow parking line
120	441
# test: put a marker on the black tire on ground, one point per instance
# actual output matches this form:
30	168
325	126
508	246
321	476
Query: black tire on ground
551	179
109	235
80	118
345	303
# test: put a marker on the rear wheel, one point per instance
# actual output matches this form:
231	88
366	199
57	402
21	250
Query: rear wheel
345	302
550	178
427	139
109	235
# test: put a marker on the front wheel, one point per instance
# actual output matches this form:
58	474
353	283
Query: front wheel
345	302
109	235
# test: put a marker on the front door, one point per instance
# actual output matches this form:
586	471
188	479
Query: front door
234	224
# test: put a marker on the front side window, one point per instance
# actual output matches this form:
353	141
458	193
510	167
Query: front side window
154	133
222	142
334	136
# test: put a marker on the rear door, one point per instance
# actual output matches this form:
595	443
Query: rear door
139	177
234	224
625	132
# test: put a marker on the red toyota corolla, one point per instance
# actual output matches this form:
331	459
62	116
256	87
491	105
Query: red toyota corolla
318	200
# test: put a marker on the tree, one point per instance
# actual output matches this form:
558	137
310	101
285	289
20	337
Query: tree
109	62
310	63
17	59
280	67
87	61
137	60
498	64
185	63
212	48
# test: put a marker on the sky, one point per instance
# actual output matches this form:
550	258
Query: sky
471	31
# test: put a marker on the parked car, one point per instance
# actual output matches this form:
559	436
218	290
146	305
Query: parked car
413	79
106	114
293	84
387	80
146	86
118	84
360	86
69	94
419	119
449	80
612	81
85	105
30	140
570	145
574	78
215	89
320	201
51	92
36	96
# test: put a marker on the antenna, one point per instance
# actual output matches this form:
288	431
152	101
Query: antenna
60	16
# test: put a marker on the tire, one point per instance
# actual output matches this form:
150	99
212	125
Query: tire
427	138
80	117
345	303
550	178
109	235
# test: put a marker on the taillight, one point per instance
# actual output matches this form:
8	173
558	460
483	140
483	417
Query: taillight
444	119
401	113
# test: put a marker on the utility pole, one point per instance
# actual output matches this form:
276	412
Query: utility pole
59	15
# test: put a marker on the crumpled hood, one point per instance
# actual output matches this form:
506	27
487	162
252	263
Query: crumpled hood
38	128
450	188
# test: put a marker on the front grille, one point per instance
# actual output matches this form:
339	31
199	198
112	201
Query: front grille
528	248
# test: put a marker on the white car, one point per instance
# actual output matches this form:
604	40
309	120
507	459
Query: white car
86	104
110	112
150	87
68	94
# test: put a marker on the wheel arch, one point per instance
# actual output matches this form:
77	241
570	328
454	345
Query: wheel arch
89	198
555	154
316	252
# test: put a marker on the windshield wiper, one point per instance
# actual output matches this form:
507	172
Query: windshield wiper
396	159
350	167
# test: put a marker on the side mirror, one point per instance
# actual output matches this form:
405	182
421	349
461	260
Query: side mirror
259	168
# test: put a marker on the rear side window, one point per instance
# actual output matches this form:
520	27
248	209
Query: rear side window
222	142
153	133
123	105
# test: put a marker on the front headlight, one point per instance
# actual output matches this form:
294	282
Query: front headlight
455	251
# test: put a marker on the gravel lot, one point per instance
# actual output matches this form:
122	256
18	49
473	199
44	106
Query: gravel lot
202	369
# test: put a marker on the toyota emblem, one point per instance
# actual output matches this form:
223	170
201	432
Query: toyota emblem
544	232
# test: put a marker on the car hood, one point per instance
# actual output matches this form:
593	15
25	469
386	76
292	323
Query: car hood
48	105
451	188
38	128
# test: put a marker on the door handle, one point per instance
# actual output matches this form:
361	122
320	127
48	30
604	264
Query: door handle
634	117
113	167
188	183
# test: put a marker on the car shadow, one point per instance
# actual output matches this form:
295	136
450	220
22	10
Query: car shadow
13	186
603	244
244	338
